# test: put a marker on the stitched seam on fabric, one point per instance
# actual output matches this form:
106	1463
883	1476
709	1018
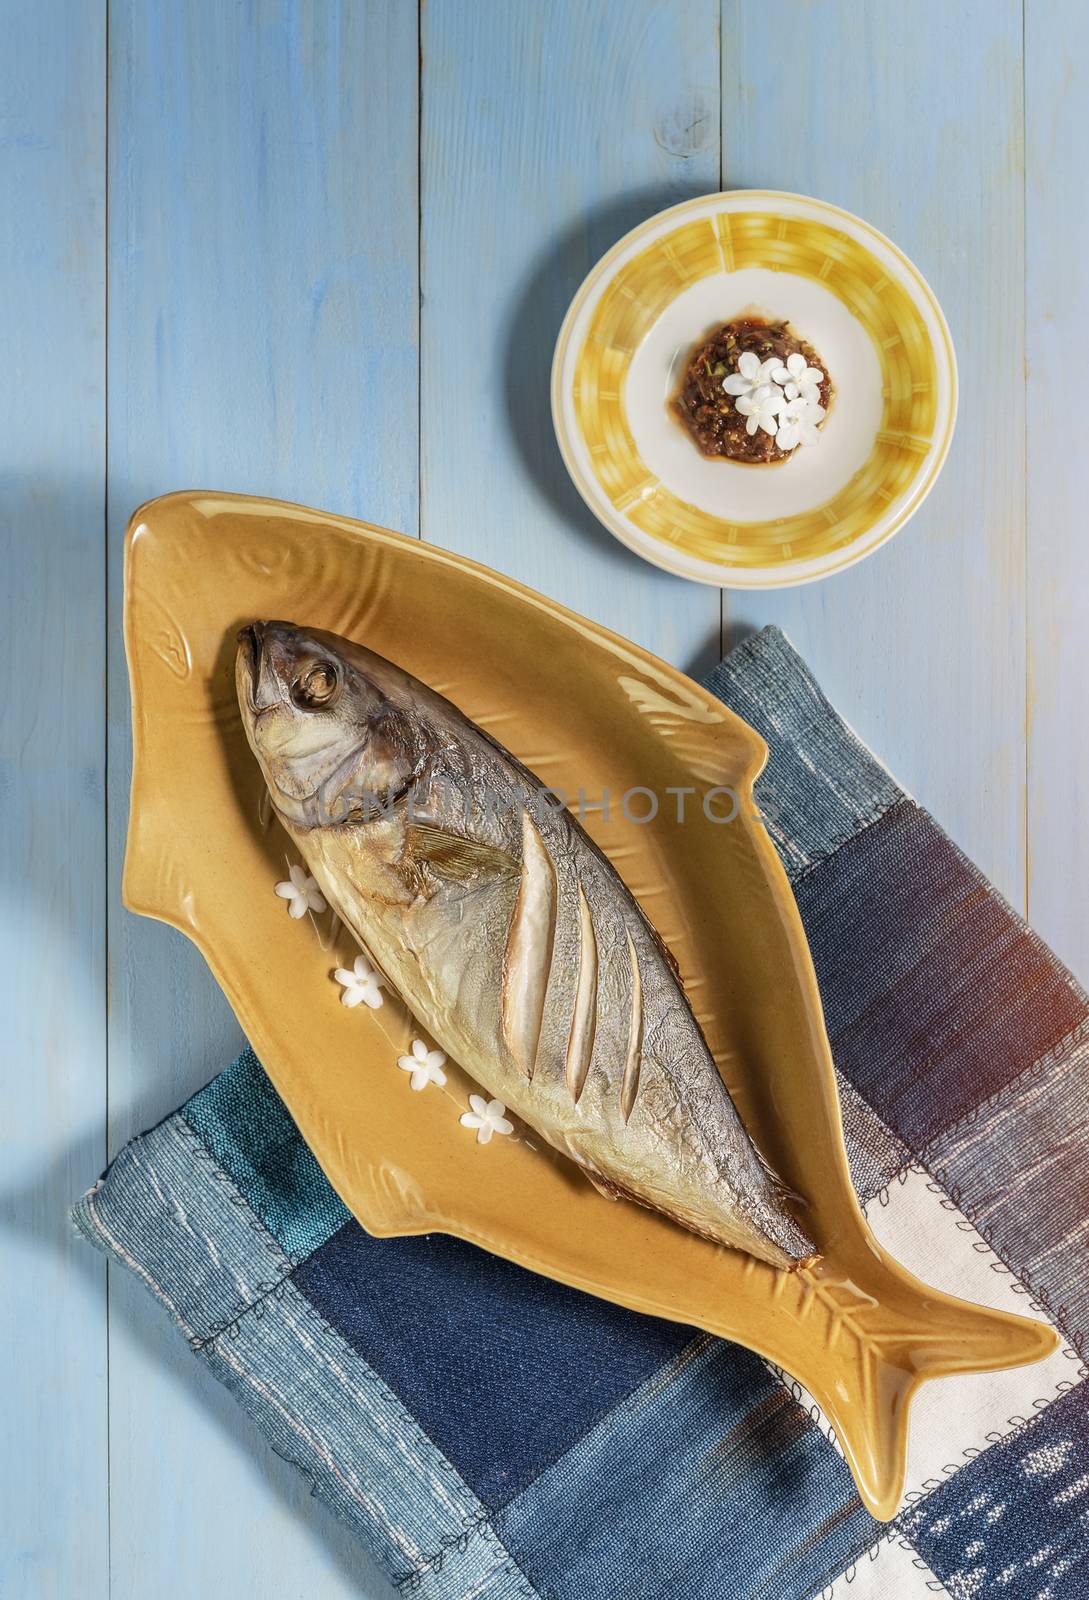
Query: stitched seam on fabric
1035	1069
223	1176
230	1326
265	1287
1038	1298
899	1172
766	647
484	1523
869	822
921	1564
700	1340
1053	1052
355	1490
1016	1425
764	650
917	1498
883	1196
679	1362
987	888
137	1153
479	1523
230	1323
365	1501
948	1200
849	1573
414	1457
1028	1075
919	1075
680	1359
220	1175
480	1526
415	1460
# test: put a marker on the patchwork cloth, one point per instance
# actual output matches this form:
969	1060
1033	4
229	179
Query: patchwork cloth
490	1435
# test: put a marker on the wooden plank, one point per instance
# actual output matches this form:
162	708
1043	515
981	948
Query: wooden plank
262	336
1057	304
547	132
886	110
53	1473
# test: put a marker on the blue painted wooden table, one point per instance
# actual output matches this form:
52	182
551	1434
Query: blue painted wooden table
321	251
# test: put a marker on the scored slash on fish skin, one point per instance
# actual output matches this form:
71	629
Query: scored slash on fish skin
580	1040
633	1059
528	957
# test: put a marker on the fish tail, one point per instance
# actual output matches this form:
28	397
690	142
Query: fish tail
776	1209
784	1231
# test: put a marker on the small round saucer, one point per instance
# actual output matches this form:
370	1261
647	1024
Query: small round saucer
847	291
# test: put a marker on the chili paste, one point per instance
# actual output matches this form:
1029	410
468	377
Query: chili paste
710	414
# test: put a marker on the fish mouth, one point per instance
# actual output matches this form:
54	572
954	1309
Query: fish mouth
251	643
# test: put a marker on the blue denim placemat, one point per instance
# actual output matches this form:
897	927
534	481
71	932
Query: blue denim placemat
489	1434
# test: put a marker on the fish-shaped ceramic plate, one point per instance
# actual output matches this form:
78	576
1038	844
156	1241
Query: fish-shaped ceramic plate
584	710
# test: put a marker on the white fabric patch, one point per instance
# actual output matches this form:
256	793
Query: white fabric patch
952	1417
890	1571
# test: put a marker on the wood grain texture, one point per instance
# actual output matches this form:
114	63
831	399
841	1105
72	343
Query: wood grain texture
547	132
912	117
1057	307
263	310
54	1465
263	274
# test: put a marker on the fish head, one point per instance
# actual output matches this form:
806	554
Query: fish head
323	718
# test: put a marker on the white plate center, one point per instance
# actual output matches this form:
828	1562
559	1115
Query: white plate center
812	475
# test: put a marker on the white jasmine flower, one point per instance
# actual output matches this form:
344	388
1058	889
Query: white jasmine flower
751	374
798	378
361	985
761	407
301	892
487	1117
798	421
425	1065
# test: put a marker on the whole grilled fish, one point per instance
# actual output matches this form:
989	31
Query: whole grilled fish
504	929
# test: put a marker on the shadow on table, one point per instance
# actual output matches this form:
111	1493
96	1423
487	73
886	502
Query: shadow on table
529	338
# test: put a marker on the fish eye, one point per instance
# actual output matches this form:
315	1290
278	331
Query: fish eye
315	686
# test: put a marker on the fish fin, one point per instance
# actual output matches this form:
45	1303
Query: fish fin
668	956
451	856
602	1185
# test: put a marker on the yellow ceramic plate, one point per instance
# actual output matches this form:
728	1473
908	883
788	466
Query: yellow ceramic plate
582	708
847	290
